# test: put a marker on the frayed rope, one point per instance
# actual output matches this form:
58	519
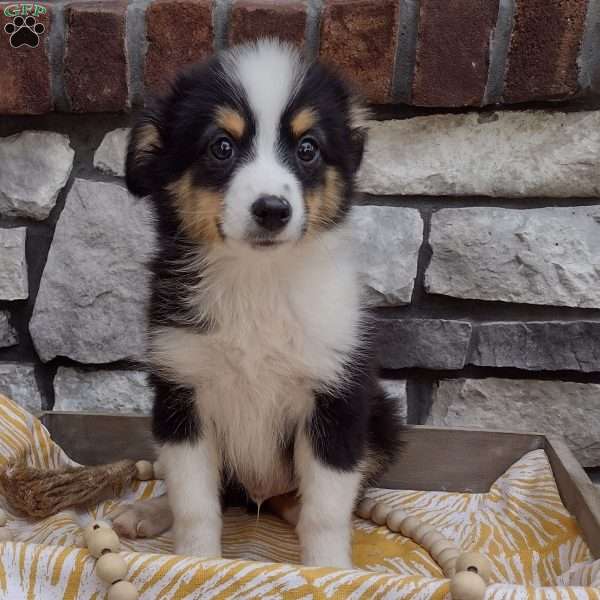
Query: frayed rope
42	493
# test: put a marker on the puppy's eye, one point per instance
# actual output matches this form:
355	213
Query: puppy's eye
307	149
222	148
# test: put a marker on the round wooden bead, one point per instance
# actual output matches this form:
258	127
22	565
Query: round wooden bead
447	559
467	586
421	531
394	520
409	526
475	563
365	507
438	547
380	513
5	535
430	538
94	526
102	540
111	567
3	518
123	590
144	470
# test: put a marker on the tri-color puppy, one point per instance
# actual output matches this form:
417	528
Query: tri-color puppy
258	341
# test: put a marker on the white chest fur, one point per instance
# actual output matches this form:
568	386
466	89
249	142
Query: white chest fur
282	322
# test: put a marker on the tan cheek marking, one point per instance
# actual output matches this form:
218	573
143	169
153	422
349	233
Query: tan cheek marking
302	121
199	209
323	204
147	140
231	121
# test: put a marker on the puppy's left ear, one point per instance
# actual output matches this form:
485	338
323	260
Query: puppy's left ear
145	147
358	118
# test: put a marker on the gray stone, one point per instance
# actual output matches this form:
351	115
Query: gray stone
13	264
17	382
425	343
110	154
504	154
93	294
553	407
540	256
105	391
34	167
396	389
8	336
389	239
538	346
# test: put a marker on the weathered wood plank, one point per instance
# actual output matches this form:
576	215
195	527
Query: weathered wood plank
456	460
576	490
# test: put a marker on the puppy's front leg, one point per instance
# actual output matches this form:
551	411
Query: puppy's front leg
193	486
327	497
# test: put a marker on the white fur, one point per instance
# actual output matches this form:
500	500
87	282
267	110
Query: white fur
282	322
328	496
193	484
269	73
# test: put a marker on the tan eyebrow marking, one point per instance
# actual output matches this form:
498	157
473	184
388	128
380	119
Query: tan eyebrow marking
231	121
303	120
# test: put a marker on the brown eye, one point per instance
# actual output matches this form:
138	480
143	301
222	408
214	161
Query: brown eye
307	149
222	148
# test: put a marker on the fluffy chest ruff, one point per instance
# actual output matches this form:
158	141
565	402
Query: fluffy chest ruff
278	326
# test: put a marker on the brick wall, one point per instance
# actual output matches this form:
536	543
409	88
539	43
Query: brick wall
478	228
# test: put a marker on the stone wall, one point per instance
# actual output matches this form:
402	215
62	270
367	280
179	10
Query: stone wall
478	230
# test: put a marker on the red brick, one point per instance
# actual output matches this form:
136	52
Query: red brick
452	55
95	62
359	38
251	19
26	84
179	33
545	42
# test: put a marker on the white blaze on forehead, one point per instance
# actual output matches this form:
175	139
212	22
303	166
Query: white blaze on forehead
268	74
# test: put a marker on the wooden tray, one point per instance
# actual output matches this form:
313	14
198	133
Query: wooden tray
454	460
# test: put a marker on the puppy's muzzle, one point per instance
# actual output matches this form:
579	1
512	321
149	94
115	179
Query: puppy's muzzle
271	213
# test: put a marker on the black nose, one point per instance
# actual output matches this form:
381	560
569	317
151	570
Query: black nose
271	212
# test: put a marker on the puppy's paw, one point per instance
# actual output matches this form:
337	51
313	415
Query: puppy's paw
146	518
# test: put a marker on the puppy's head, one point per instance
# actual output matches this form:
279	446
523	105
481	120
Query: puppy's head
255	147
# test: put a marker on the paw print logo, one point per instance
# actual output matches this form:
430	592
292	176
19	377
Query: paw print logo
24	32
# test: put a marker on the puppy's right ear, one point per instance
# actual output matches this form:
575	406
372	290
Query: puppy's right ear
145	147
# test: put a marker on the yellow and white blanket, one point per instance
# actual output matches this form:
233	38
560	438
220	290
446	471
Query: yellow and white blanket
520	524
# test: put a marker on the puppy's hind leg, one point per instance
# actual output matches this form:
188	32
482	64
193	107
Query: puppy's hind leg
144	518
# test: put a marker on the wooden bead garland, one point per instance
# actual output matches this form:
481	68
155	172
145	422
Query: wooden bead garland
469	572
103	543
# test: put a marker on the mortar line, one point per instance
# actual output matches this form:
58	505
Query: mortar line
406	50
588	60
498	52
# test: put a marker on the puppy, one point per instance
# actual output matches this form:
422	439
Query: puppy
259	346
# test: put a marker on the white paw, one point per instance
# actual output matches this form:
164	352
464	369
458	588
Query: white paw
145	518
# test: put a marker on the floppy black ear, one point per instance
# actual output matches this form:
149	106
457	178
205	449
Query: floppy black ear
145	147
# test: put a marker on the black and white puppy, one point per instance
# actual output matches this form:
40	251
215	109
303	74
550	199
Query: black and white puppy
258	342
